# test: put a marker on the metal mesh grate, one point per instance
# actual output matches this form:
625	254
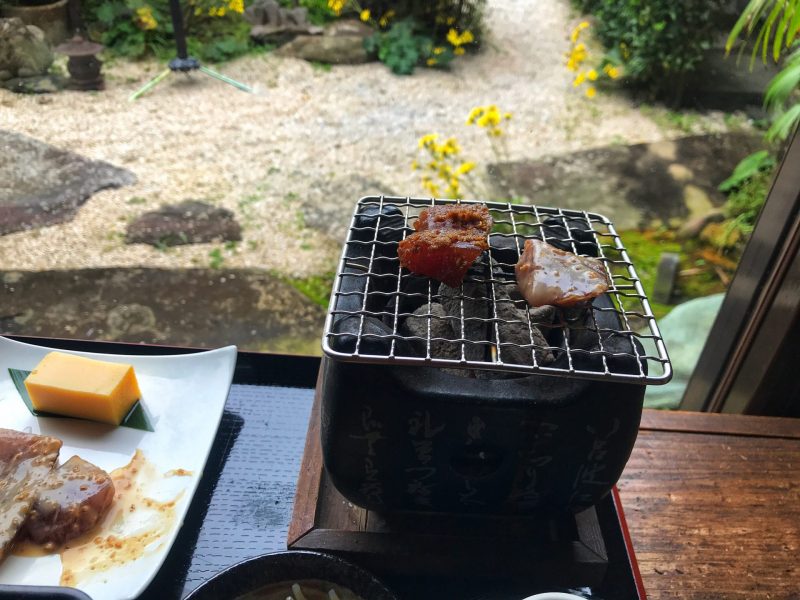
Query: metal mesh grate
382	313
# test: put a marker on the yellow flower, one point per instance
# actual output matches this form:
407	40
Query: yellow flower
438	50
430	62
577	31
591	92
145	19
474	114
451	20
507	116
414	165
236	6
579	79
198	11
336	6
428	140
465	168
457	39
453	37
364	16
458	51
612	72
592	75
221	11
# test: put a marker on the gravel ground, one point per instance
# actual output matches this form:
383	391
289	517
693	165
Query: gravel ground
258	155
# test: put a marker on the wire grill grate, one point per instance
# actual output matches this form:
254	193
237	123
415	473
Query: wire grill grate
382	313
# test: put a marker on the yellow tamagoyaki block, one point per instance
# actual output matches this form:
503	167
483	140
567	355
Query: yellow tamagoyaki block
75	386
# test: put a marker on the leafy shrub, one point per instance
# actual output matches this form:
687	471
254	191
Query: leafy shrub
435	18
658	41
411	32
135	28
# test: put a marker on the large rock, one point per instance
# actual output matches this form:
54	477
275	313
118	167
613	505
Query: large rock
39	84
667	182
329	204
42	185
274	24
332	49
190	222
23	50
186	307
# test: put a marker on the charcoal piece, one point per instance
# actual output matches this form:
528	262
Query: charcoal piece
476	312
417	325
506	249
512	324
577	228
581	326
390	223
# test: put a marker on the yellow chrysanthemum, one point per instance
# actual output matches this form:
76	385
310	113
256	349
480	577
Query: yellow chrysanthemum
465	168
430	62
592	75
365	14
438	50
428	140
145	18
336	6
591	92
612	72
579	79
458	51
236	6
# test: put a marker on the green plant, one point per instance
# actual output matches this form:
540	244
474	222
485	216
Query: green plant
215	258
745	202
657	41
319	12
778	23
136	28
746	169
412	33
399	48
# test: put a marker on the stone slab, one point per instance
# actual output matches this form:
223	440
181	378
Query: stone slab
187	307
43	185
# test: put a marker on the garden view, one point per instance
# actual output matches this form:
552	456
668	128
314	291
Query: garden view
178	208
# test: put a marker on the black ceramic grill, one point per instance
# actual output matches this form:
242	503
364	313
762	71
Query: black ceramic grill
466	400
372	287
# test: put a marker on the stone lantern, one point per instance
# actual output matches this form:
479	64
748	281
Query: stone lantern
83	65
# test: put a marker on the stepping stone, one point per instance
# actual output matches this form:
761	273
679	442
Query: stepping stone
633	185
44	185
190	222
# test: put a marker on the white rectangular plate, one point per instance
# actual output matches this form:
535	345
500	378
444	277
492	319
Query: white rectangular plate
184	396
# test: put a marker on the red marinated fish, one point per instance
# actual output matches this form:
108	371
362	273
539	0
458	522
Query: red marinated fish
26	461
547	275
73	499
446	242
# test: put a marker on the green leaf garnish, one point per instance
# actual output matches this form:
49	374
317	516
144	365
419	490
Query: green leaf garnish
137	418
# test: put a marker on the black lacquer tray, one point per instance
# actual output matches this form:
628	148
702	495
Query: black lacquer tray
243	505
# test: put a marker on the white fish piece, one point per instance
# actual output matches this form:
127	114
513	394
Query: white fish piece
549	276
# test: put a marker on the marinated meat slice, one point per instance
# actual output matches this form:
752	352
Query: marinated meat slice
26	460
446	242
444	255
472	218
73	499
547	275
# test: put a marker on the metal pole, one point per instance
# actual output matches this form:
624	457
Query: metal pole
177	28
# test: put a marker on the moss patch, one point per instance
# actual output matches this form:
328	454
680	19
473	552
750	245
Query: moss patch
697	276
316	288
